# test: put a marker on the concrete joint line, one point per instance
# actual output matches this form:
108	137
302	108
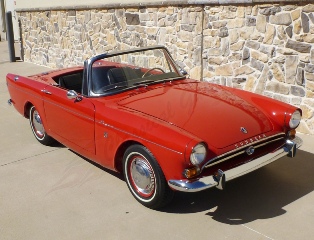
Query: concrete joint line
251	229
19	160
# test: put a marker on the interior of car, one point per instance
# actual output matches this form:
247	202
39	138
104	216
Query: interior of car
104	76
72	81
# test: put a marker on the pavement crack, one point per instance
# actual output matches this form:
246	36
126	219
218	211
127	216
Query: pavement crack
22	159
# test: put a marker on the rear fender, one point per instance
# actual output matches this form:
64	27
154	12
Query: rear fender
25	92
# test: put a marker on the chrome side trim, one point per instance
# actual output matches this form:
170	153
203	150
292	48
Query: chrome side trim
45	100
72	112
214	181
131	134
23	91
238	150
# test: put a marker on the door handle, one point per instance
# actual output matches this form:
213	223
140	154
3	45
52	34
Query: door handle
45	91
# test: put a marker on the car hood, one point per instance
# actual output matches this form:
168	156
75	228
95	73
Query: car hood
208	111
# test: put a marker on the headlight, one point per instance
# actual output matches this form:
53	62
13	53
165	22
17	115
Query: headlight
295	119
198	154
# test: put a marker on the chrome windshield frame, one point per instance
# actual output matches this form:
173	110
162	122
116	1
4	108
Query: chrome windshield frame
88	64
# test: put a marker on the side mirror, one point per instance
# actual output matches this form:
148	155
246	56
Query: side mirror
71	94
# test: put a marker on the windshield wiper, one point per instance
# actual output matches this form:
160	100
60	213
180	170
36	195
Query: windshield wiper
113	88
143	82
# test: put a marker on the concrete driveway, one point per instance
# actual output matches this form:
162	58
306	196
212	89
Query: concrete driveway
52	193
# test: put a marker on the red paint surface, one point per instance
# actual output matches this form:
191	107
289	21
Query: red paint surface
169	119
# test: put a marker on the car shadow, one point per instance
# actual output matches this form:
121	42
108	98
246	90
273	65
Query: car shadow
261	194
111	172
77	173
57	144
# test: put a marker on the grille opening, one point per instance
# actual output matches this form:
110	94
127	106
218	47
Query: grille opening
239	156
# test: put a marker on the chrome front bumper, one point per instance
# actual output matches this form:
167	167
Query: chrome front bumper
219	180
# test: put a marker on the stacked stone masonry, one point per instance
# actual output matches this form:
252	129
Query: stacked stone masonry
267	49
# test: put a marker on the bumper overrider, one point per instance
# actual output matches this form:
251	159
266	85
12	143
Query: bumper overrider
218	180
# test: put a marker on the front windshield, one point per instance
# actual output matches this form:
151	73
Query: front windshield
122	71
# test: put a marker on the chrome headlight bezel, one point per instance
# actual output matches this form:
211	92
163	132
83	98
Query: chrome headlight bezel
295	119
198	154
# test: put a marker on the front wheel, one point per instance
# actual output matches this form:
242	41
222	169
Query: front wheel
145	178
38	127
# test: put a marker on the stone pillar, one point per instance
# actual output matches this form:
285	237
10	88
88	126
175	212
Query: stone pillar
2	21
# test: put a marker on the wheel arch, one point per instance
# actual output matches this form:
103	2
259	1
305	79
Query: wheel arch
27	107
118	160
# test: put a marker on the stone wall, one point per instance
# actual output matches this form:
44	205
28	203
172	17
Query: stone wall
66	38
263	48
266	49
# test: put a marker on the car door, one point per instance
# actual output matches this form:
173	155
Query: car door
70	119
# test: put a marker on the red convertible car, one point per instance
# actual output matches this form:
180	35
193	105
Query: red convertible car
137	112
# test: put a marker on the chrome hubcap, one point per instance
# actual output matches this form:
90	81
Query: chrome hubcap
37	124
142	176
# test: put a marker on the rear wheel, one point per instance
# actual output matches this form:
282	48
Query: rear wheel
38	127
145	178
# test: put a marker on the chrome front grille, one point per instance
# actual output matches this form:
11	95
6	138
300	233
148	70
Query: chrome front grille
274	139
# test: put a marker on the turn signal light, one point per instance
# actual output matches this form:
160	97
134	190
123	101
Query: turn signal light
191	172
291	134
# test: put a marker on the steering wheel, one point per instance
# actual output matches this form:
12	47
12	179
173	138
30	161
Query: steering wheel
148	71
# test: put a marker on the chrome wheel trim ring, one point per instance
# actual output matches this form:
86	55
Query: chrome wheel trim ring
37	125
140	177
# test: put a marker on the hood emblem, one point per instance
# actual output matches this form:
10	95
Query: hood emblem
242	129
250	150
